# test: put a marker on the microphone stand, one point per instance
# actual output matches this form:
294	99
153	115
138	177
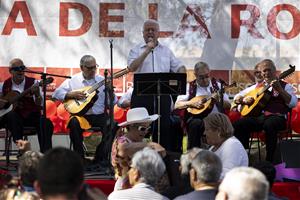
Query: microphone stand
111	92
221	96
44	113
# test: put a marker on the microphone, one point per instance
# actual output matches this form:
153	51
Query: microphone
150	39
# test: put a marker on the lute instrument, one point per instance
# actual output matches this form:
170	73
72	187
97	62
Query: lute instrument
261	96
80	107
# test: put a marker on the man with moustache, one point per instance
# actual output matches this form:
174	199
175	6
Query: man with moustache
151	56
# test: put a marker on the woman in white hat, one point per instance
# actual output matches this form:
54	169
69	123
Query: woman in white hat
130	140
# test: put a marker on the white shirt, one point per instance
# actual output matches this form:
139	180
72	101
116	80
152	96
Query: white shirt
78	82
232	154
201	91
164	59
138	192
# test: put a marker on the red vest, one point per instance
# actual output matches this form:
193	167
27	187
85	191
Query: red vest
28	105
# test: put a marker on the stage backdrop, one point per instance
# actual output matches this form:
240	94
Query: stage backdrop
231	36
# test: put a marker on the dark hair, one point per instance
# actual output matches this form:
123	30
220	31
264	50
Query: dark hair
60	173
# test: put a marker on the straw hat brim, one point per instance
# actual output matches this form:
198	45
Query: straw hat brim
151	118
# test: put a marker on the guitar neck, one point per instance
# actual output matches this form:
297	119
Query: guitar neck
99	84
96	86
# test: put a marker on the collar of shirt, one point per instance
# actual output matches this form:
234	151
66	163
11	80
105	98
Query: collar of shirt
84	81
206	88
143	185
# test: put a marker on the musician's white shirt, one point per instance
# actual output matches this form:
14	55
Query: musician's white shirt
201	91
78	82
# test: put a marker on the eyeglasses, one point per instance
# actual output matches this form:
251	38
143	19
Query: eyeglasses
18	68
91	67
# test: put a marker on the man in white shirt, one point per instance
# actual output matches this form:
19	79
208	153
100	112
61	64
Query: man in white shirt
147	167
94	115
272	119
203	85
151	56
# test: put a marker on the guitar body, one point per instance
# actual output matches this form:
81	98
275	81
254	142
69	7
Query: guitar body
80	107
203	111
260	101
10	97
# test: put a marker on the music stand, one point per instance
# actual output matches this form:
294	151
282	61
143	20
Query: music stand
158	84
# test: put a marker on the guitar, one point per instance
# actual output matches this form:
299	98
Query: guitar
14	96
261	96
80	107
207	105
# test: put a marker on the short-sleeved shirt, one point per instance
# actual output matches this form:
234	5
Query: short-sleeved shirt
164	59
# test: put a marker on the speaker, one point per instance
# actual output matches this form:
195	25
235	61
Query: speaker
287	152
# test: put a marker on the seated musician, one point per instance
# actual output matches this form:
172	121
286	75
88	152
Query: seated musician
273	117
202	85
70	89
239	99
27	111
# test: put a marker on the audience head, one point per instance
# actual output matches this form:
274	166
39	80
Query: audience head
60	173
243	183
17	194
267	169
217	128
147	167
88	66
186	160
28	166
206	168
202	74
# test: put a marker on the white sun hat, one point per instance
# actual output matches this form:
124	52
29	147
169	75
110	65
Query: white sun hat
138	115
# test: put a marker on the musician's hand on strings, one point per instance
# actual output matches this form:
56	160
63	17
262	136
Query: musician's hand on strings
239	100
35	90
76	95
276	85
197	104
248	100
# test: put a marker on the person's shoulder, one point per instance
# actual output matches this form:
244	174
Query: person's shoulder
190	195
